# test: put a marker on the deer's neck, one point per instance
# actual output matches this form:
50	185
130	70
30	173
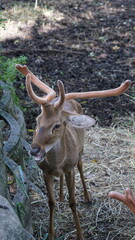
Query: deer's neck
64	155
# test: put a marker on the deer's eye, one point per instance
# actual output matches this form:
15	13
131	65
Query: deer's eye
56	127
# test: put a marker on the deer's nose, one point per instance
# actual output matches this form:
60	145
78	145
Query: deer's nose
34	150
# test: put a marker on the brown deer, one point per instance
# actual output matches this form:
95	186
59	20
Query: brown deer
58	139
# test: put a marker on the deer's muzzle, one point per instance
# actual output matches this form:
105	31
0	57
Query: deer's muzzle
36	152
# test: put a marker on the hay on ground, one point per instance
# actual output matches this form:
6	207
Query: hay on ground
109	164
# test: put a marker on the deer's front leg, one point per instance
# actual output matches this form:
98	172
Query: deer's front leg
49	181
70	180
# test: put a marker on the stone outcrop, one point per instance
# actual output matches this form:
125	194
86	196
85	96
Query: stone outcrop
10	225
15	214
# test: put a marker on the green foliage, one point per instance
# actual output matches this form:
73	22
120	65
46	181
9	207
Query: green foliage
8	73
20	209
2	21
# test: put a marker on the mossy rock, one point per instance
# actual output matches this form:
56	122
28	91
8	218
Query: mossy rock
12	153
6	102
3	172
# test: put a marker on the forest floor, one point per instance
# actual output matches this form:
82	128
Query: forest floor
89	45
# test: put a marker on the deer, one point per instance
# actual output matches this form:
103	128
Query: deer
57	144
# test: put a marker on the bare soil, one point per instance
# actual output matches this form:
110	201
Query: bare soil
89	45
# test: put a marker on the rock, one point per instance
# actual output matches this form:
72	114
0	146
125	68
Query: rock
3	173
10	226
12	156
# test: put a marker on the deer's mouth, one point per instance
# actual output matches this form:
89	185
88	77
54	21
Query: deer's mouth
38	153
39	157
42	153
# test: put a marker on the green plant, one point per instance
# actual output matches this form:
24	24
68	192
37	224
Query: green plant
8	73
2	21
20	209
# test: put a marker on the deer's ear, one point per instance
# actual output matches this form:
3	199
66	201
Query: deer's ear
81	121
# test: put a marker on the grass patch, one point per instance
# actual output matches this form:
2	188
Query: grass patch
26	12
109	164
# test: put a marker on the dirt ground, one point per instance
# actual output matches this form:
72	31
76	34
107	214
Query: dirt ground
89	45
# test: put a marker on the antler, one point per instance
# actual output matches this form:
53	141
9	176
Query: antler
32	95
128	199
32	78
99	94
42	100
61	98
51	93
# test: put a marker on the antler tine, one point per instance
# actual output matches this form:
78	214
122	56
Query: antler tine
98	94
31	93
25	71
61	99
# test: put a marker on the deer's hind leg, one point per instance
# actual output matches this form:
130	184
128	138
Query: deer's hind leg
80	168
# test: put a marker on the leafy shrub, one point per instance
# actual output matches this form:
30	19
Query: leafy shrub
8	73
2	21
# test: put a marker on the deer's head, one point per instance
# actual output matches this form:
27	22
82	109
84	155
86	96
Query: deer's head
55	114
53	119
50	123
